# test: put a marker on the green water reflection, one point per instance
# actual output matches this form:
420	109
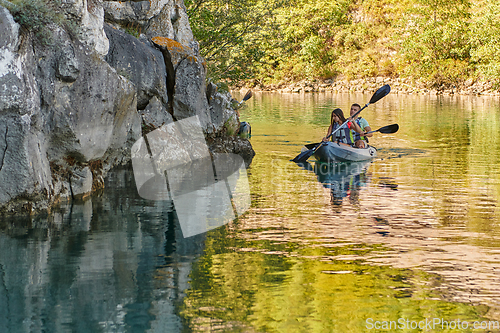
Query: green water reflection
413	235
280	287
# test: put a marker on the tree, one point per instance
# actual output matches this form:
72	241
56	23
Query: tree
434	41
485	39
231	33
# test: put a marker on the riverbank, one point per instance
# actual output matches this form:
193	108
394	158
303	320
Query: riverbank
398	86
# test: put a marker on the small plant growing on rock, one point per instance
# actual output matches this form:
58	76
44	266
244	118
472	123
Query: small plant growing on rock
36	16
133	29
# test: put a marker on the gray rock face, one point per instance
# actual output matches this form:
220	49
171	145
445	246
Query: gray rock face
155	114
232	145
190	98
24	168
119	11
189	90
72	110
89	16
139	63
67	68
89	116
81	182
222	115
172	22
139	12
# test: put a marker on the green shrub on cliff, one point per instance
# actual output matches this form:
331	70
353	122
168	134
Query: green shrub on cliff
37	15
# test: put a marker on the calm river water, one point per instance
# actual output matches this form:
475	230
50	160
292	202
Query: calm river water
408	242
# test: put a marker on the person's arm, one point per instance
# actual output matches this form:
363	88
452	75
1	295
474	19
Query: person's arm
355	127
328	132
367	129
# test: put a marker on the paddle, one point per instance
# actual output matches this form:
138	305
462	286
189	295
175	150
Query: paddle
246	97
379	94
389	129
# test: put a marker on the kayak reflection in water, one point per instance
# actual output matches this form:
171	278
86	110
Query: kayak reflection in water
343	180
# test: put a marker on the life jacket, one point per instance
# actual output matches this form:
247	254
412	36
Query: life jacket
343	135
355	136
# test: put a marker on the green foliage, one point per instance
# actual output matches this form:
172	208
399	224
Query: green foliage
485	39
306	38
230	34
441	42
435	43
134	30
37	15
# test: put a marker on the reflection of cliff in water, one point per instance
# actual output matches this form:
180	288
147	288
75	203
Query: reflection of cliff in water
110	263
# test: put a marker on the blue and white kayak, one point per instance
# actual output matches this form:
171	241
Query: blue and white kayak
334	151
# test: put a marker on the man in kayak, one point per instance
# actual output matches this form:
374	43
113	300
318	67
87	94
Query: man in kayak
360	140
344	134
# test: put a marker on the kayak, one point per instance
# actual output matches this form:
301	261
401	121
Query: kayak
334	151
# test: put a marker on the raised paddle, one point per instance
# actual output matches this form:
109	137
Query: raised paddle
389	129
246	97
379	94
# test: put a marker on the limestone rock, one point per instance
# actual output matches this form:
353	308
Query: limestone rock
58	104
180	23
161	25
141	64
174	51
71	109
24	168
222	115
155	115
190	97
232	145
139	12
172	22
90	118
91	17
81	182
67	65
119	11
189	73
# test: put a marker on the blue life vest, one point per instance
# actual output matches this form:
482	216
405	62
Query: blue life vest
343	135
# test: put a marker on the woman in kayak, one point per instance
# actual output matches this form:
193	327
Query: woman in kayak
344	134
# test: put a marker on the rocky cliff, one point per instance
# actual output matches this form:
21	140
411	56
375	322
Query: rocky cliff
73	102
